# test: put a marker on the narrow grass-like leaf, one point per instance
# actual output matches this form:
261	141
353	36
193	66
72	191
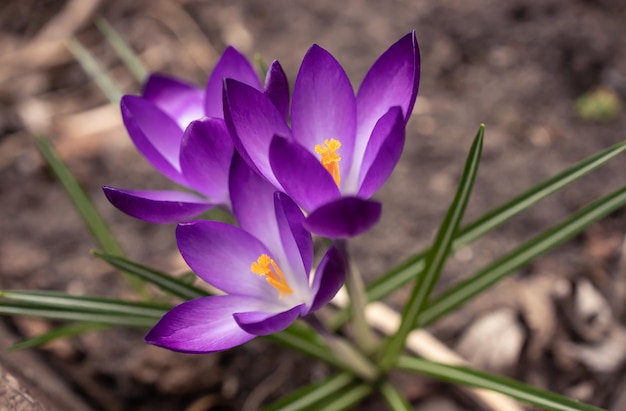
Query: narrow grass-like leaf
308	396
437	256
345	399
300	338
526	253
63	301
125	53
17	308
473	378
54	334
394	399
92	219
164	281
94	70
407	270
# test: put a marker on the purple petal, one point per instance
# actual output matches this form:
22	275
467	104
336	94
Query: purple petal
182	101
301	175
297	242
253	121
344	218
253	203
157	206
203	325
262	323
329	278
155	134
222	255
277	88
205	156
233	65
392	81
382	153
324	105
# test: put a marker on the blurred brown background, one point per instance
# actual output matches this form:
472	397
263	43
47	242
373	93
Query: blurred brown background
547	77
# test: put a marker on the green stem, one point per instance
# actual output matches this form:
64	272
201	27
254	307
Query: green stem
345	352
365	338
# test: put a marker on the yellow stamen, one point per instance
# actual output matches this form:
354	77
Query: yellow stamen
330	159
266	267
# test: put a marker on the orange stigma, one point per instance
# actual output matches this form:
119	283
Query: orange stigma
330	159
266	267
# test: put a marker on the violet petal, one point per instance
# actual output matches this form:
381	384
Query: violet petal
222	256
253	121
382	153
329	278
392	81
263	323
205	156
277	88
344	218
301	175
182	101
155	135
233	65
159	207
203	325
324	106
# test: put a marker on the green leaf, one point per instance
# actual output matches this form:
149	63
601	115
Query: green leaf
407	271
514	389
526	253
308	396
394	399
301	338
437	256
63	301
83	204
164	281
55	334
94	70
17	308
92	219
125	53
345	399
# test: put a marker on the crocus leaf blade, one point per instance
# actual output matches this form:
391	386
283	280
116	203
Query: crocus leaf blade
514	389
121	48
394	399
303	339
91	66
406	271
54	334
309	396
63	301
133	321
437	256
94	222
164	281
456	296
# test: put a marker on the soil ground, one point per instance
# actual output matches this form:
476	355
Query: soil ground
518	66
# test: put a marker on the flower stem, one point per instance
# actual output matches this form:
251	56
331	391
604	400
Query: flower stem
365	337
345	352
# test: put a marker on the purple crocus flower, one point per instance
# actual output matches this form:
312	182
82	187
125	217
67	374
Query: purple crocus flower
263	267
180	130
341	148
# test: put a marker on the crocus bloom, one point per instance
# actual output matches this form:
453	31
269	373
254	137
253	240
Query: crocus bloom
180	130
263	267
341	148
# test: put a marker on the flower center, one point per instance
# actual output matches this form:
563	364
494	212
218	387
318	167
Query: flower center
330	158
266	267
